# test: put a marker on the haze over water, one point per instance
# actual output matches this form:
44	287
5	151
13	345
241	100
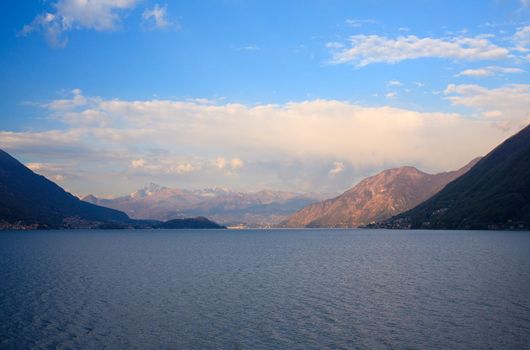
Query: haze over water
296	289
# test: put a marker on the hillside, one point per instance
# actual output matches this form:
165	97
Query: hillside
190	223
28	199
494	194
375	198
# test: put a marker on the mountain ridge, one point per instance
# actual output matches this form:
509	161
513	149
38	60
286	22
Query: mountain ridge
494	194
262	208
31	201
375	198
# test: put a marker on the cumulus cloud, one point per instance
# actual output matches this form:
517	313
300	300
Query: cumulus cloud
509	105
338	167
229	167
164	164
138	163
156	17
66	15
56	172
394	83
362	50
220	162
236	163
489	71
522	38
76	100
290	145
184	168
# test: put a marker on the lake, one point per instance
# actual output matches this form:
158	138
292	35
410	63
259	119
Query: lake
264	289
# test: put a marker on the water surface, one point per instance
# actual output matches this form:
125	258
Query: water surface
276	289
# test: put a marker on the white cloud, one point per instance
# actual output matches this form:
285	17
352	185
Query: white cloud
367	49
76	100
394	83
220	162
58	178
489	71
53	171
334	45
391	94
138	163
100	15
356	23
522	38
292	143
183	168
228	166
338	167
236	163
156	16
162	165
508	106
251	47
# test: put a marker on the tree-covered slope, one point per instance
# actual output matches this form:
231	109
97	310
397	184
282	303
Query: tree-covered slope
493	194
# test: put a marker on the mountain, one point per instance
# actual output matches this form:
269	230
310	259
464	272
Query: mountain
375	198
253	209
494	194
30	200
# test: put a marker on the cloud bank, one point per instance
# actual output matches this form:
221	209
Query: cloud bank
508	106
307	145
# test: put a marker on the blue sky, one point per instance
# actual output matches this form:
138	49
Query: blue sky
104	96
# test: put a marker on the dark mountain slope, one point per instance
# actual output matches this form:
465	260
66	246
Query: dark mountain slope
30	199
495	193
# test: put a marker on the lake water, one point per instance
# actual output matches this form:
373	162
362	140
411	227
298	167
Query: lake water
264	289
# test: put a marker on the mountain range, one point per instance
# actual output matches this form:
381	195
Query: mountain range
493	194
31	201
251	209
489	193
375	198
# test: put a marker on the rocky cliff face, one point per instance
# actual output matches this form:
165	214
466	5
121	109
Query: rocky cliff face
376	198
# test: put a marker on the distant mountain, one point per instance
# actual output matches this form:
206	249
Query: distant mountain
374	199
30	200
253	209
196	223
493	194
